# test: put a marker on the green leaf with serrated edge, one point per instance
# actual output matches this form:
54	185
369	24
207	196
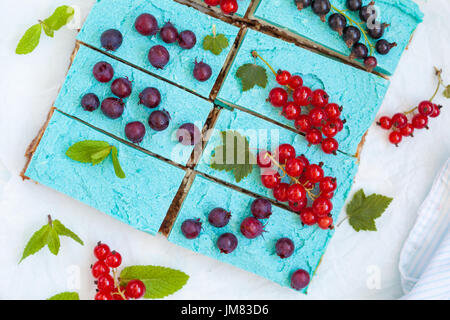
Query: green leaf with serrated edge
53	243
251	75
159	281
117	168
363	210
240	162
100	156
65	296
215	44
82	151
63	231
60	17
446	92
49	32
37	241
30	40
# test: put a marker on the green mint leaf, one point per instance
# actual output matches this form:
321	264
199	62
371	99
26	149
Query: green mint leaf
159	281
30	40
117	168
53	243
84	150
215	44
63	231
363	210
65	296
37	241
100	155
446	92
60	17
49	32
251	75
235	158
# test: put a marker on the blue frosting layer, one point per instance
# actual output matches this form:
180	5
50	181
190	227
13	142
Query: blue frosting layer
121	15
179	103
256	255
140	200
265	135
402	15
359	92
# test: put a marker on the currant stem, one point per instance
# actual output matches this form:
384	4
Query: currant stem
358	25
438	74
256	55
117	284
50	221
214	30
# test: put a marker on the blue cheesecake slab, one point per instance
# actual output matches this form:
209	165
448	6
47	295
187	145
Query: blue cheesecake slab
360	93
403	16
262	134
257	255
182	106
140	200
121	15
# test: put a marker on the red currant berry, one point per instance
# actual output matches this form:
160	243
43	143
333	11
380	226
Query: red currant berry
105	283
99	268
270	178
317	115
327	184
436	111
319	98
303	123
302	96
399	120
425	108
407	131
385	123
305	182
263	160
330	145
283	77
280	192
295	82
327	195
307	216
395	138
338	123
322	207
212	2
229	6
299	205
291	111
303	159
294	167
116	294
332	110
370	63
419	121
103	296
325	222
135	289
285	152
314	173
113	259
314	136
278	97
296	192
101	251
329	130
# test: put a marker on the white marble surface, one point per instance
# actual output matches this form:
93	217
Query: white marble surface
353	262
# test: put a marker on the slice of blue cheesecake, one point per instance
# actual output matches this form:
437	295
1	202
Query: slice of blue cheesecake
141	199
135	48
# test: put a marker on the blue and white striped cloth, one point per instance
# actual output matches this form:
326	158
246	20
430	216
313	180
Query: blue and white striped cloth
425	257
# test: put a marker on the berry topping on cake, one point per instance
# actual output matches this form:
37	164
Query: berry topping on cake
202	71
158	56
150	97
135	131
227	243
188	134
284	248
103	71
146	24
112	107
90	102
191	228
159	120
111	39
219	217
261	208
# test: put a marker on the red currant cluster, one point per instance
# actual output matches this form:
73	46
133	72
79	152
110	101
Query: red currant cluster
304	178
400	125
320	118
227	6
108	286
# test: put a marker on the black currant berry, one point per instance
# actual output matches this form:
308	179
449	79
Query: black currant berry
383	46
321	8
377	30
111	39
359	51
90	102
354	5
302	4
337	22
351	36
367	11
